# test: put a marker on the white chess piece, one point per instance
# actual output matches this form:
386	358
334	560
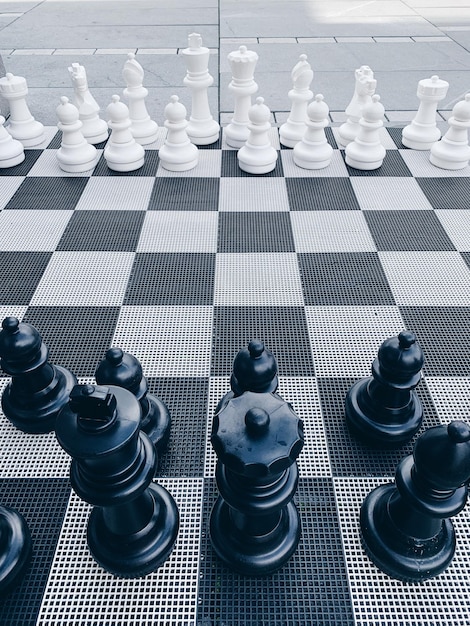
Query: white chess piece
75	153
452	152
364	89
21	124
202	128
143	128
300	95
258	156
94	129
122	152
243	86
177	154
423	131
314	152
11	150
366	152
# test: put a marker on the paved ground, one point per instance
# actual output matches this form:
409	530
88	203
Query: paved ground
402	41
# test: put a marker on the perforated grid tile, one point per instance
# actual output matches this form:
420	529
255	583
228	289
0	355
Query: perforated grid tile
42	502
344	278
451	397
336	168
167	340
389	194
166	596
149	168
345	339
21	273
321	194
10	185
420	166
208	166
37	192
255	232
393	165
331	231
171	278
75	278
179	231
22	169
456	223
48	165
311	588
184	194
427	278
282	329
446	193
116	194
252	194
374	593
29	231
231	168
262	279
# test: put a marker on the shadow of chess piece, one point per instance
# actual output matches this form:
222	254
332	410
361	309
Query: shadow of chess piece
15	549
405	527
254	524
134	523
124	370
38	390
383	410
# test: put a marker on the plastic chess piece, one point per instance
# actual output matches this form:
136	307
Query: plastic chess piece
423	130
202	128
405	527
365	86
292	131
15	549
452	152
95	130
258	156
314	152
143	128
383	409
134	523
38	390
177	154
21	124
122	152
75	153
124	370
366	152
11	150
254	524
242	86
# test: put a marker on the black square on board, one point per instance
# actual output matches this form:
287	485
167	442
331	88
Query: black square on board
171	278
446	193
321	194
231	168
393	165
255	232
22	169
184	194
21	273
48	193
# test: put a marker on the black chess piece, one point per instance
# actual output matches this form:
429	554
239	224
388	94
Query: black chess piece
15	548
254	524
124	370
405	527
134	523
38	390
383	409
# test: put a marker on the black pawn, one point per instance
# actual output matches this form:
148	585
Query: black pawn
254	524
15	548
134	523
38	390
124	370
383	409
405	527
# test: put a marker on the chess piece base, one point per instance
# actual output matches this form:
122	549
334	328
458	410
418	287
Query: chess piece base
363	165
411	139
156	423
400	556
77	167
30	134
12	161
203	133
144	132
236	135
15	548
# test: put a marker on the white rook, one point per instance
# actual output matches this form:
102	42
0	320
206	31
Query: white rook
22	125
423	131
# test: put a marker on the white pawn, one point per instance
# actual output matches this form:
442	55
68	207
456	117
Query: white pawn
423	130
258	156
11	150
314	152
366	152
143	129
177	154
243	86
122	152
300	95
452	152
202	128
22	125
363	91
75	153
94	129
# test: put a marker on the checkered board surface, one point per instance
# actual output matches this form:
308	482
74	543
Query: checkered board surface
182	270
